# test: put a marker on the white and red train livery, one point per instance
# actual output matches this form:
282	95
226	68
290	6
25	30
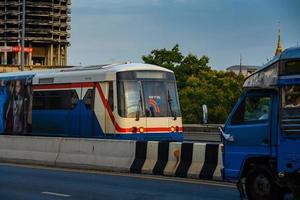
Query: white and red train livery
122	101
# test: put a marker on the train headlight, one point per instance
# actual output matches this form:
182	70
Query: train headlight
172	129
141	130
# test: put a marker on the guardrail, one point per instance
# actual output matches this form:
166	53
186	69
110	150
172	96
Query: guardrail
202	132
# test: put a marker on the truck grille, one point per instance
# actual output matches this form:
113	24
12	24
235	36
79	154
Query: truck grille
290	121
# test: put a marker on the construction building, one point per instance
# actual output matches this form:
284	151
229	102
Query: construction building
47	26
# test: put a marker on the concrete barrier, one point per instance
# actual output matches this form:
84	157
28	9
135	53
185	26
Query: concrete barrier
151	158
107	155
29	150
173	158
217	174
193	160
198	160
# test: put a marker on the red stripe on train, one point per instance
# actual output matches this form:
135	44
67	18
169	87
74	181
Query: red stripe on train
63	86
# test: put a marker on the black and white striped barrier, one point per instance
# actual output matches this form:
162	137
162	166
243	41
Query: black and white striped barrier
193	160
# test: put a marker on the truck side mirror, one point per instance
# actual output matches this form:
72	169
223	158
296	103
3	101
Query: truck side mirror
226	137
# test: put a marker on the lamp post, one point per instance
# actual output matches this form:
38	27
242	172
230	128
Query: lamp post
23	37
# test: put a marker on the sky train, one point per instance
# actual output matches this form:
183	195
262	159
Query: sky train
118	101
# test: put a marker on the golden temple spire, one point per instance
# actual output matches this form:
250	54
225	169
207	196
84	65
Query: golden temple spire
279	46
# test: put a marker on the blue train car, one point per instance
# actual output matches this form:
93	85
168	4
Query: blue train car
119	101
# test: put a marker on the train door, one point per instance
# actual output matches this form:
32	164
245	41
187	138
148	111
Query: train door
87	117
73	112
109	123
104	106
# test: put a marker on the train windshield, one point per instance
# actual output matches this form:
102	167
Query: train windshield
147	94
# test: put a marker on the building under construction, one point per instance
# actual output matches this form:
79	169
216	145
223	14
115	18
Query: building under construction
47	25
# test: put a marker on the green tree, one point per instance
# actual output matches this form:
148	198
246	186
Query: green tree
165	58
198	84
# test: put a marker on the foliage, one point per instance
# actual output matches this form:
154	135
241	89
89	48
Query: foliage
198	84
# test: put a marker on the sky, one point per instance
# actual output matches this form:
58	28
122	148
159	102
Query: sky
106	31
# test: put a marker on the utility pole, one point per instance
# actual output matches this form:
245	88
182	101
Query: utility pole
23	37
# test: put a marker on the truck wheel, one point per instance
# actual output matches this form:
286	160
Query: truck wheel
261	186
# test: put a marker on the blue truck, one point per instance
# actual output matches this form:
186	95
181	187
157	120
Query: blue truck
261	137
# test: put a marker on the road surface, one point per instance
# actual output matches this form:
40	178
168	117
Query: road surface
32	183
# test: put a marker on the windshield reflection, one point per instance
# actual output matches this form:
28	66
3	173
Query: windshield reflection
148	99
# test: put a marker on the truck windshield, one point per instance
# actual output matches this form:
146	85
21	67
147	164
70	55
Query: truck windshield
148	98
290	121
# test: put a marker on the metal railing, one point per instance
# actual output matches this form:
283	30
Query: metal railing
202	132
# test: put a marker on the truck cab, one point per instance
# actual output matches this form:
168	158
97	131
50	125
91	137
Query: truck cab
262	133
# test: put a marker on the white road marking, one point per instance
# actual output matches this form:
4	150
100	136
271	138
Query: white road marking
56	194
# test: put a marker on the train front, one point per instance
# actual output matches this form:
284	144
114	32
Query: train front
148	106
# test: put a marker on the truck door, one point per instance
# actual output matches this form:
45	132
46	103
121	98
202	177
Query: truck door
249	129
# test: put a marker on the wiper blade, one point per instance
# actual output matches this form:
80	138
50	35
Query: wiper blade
138	112
173	113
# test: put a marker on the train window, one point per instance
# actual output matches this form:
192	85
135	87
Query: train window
129	99
55	100
145	74
38	100
174	108
156	98
111	95
88	98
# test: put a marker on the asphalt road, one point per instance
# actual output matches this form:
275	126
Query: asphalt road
23	182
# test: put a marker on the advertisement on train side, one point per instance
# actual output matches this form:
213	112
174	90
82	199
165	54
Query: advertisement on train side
16	107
